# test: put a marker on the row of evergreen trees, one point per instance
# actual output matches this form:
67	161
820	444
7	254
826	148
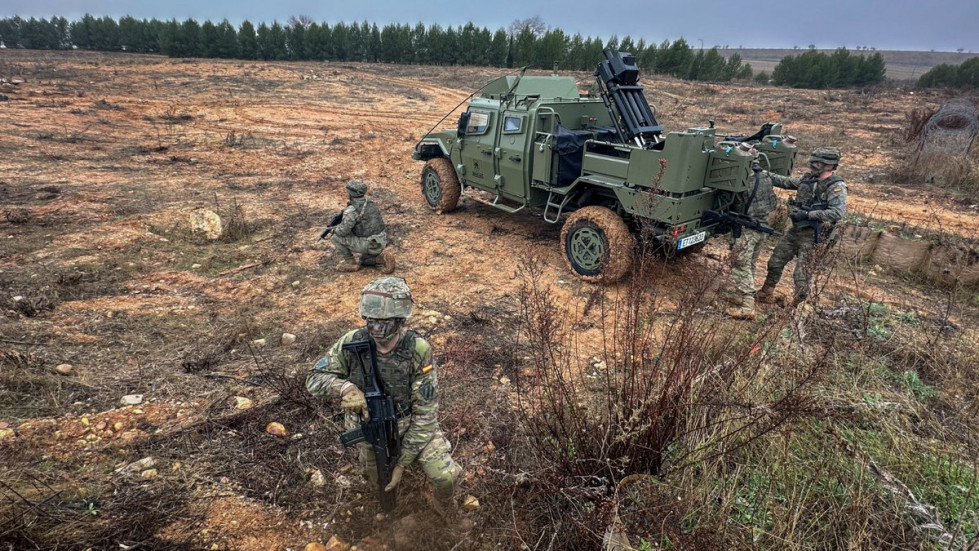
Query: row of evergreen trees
526	42
965	75
814	69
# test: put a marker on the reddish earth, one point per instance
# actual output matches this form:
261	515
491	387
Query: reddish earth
102	160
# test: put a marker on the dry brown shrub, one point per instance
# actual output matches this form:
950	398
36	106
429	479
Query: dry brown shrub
236	228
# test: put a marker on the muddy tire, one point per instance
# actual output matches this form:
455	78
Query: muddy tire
440	185
597	245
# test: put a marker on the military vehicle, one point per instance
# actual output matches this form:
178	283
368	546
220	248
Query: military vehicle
599	162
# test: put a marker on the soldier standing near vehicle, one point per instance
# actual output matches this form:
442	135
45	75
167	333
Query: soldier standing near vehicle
820	203
406	372
361	231
762	203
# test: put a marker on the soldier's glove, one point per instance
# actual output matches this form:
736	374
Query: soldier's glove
352	400
799	216
395	478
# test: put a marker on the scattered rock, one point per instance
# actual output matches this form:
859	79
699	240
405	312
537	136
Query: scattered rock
470	503
205	222
276	429
63	369
132	399
258	342
287	339
337	544
148	474
317	479
242	403
6	433
343	481
143	464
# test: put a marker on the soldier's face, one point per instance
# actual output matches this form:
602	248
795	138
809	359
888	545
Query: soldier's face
817	167
383	330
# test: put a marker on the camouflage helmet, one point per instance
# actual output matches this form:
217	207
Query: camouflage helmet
827	155
356	188
385	298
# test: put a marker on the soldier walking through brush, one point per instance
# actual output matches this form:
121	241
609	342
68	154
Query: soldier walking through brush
406	372
361	230
820	203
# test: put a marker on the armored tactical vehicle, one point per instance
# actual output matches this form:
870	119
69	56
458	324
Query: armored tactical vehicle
601	163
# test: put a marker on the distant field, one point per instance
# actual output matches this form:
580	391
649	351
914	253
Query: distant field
901	65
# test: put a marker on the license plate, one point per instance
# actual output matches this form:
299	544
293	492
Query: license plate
691	240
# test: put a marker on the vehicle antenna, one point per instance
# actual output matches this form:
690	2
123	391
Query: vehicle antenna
474	92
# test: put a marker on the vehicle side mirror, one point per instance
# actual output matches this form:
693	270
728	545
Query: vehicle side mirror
463	124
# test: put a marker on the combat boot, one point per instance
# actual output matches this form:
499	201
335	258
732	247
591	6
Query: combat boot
744	311
386	262
347	265
447	509
368	260
766	295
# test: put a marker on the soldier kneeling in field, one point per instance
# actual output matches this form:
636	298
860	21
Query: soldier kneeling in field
402	366
361	231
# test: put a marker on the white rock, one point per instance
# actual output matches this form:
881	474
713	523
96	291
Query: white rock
132	399
63	369
317	479
343	481
206	222
242	403
287	339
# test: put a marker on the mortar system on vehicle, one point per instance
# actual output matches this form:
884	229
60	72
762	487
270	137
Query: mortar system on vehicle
601	164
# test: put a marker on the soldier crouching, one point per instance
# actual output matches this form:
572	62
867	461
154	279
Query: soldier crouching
407	373
362	231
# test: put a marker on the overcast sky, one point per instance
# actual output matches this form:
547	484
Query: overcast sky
943	25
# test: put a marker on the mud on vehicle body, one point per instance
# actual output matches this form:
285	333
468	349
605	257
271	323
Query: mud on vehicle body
602	165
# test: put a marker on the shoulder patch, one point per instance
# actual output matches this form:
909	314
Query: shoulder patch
427	369
427	391
837	189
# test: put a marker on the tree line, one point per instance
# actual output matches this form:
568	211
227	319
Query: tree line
525	43
965	75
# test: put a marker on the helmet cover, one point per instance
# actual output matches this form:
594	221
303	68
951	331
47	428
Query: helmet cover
385	298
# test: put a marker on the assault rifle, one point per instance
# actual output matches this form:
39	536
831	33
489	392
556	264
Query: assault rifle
381	428
816	225
735	221
332	225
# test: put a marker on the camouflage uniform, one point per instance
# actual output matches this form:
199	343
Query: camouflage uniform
799	242
747	248
361	231
408	375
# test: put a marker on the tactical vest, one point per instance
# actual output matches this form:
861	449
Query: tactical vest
394	369
764	202
812	190
369	222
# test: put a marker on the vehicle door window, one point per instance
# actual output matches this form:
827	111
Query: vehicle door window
512	124
478	123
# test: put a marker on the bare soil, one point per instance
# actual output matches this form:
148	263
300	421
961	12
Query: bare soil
103	158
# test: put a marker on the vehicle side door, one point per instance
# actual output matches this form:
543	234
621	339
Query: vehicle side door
476	149
512	157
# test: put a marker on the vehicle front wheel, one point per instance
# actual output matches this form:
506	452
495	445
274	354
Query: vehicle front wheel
440	185
597	244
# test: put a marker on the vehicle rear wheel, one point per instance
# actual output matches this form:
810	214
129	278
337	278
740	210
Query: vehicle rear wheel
440	185
597	244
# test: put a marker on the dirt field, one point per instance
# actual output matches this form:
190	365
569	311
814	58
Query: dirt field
104	157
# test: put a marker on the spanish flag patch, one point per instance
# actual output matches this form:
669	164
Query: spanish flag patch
837	190
427	368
